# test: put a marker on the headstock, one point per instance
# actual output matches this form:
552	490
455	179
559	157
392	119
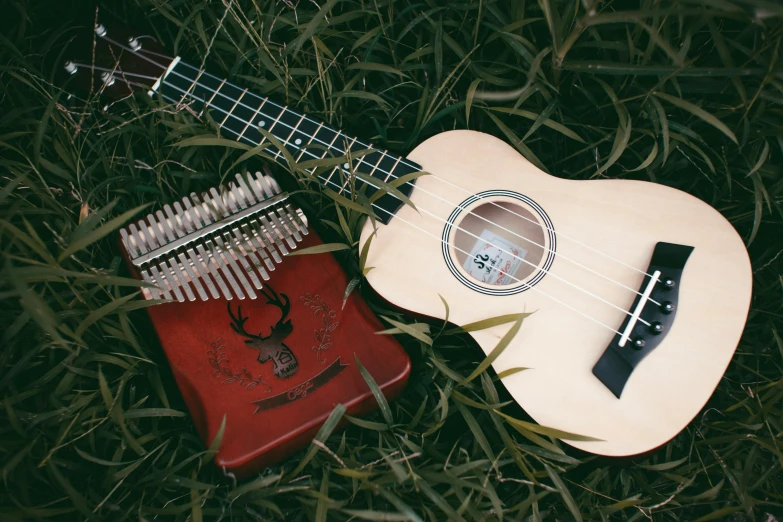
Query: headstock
116	62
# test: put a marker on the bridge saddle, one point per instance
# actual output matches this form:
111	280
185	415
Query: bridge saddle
636	339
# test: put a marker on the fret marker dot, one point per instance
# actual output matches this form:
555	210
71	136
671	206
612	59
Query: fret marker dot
346	166
261	123
297	141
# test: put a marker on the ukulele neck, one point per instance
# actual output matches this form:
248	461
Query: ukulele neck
355	168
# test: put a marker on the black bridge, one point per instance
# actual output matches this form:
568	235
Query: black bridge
638	339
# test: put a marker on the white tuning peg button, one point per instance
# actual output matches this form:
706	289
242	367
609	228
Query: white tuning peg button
70	67
100	30
134	43
107	78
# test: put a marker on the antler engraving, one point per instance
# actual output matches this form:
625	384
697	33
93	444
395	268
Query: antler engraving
272	346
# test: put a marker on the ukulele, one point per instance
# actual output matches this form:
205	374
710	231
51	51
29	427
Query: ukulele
638	293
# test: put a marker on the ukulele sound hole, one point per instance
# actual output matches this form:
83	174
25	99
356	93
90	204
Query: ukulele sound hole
499	242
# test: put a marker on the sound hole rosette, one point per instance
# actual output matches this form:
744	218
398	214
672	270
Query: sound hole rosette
501	201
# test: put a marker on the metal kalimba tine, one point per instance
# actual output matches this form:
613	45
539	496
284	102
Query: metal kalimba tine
247	227
236	303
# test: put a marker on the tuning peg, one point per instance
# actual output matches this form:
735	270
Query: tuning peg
70	67
107	78
134	43
100	30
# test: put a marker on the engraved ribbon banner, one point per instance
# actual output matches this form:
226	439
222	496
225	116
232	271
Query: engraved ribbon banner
300	391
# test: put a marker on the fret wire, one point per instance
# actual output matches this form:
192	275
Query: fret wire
232	108
329	146
362	158
212	97
389	174
286	141
404	161
239	135
384	154
250	122
283	110
269	130
312	137
325	181
192	85
376	165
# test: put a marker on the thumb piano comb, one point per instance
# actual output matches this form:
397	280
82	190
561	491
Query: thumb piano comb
250	334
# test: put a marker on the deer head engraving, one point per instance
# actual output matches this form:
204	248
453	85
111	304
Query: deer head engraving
271	347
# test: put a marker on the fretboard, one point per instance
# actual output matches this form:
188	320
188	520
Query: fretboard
240	114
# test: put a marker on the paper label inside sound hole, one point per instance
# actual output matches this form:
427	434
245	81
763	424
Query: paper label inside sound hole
494	260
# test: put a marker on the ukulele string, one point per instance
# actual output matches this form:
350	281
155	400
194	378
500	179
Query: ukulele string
626	312
421	189
407	163
404	161
494	268
548	272
121	73
229	113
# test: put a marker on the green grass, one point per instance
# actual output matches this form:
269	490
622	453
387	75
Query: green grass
685	93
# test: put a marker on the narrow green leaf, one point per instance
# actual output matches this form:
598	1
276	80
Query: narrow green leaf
328	427
376	392
495	353
762	159
665	465
365	252
475	428
78	500
621	137
484	324
698	112
93	236
543	430
109	308
216	442
372	66
469	100
211	141
567	498
510	371
364	95
320	249
650	158
349	288
418	331
311	27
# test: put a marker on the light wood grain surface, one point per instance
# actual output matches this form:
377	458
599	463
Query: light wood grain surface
624	219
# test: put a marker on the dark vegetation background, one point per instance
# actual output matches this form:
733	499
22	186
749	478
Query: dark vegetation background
685	93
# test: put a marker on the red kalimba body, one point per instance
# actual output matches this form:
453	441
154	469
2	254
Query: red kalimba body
272	348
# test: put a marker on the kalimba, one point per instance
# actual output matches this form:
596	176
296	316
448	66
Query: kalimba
261	338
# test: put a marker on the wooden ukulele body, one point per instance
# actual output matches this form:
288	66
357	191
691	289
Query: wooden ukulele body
607	227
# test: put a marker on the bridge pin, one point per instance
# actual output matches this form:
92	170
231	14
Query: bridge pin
638	343
667	307
669	283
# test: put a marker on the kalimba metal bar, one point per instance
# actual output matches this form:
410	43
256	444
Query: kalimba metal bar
217	243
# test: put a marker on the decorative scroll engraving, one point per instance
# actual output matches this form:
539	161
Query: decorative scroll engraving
322	335
219	363
302	390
